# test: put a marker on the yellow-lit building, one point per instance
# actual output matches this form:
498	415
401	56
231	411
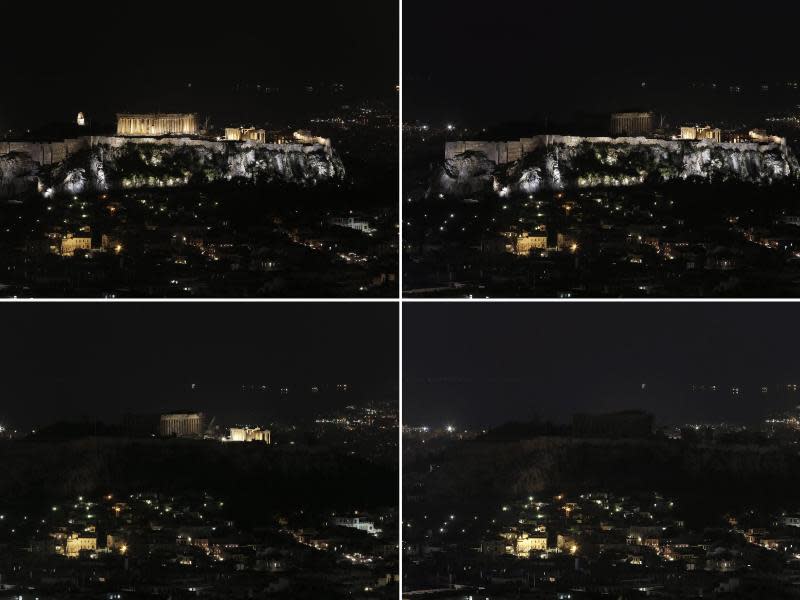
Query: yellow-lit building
710	133
525	544
689	133
157	124
523	243
701	133
245	134
250	434
77	543
522	544
70	243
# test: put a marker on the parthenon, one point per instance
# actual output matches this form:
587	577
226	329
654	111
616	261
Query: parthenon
182	425
156	124
632	123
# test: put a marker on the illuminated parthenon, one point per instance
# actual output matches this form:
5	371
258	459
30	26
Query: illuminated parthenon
156	124
632	123
182	425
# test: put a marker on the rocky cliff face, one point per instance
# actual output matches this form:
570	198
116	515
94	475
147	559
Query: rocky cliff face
605	162
501	470
17	174
140	164
468	173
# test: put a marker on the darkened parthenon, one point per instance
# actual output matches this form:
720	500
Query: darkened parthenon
156	124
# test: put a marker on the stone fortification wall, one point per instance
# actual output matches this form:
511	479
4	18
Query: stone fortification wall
507	152
46	153
49	153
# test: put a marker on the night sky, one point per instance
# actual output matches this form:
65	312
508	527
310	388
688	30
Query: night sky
101	361
479	365
101	57
521	60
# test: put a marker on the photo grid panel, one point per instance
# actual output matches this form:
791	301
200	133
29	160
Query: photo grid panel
561	450
208	155
204	450
544	162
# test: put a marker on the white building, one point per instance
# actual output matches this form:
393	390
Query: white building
361	225
360	523
792	520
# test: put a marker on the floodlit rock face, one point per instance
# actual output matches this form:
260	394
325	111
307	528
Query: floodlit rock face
166	165
558	162
114	163
17	174
293	166
465	174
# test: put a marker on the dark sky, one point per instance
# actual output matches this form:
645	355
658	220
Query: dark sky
100	360
485	364
517	59
102	57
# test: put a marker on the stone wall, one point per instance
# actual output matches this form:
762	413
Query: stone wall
48	153
507	152
555	162
498	152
